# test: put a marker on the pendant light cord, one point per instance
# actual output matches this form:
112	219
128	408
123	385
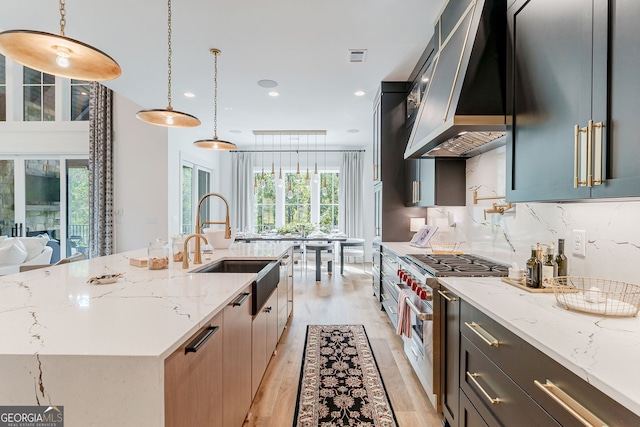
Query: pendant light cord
215	95
63	16
169	53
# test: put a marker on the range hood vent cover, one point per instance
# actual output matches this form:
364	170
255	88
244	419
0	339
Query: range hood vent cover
462	108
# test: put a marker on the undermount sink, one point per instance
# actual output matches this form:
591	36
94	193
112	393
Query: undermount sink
268	276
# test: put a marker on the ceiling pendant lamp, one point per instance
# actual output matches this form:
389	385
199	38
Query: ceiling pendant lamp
168	117
57	54
215	143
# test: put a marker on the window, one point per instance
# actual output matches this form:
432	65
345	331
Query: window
77	206
39	96
3	89
294	201
79	100
297	203
265	202
196	182
329	200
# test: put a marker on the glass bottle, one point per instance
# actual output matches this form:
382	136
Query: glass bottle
561	259
533	269
177	247
158	255
549	269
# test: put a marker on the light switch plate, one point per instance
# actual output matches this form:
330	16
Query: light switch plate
579	242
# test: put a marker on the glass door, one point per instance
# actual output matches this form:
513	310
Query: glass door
36	198
196	182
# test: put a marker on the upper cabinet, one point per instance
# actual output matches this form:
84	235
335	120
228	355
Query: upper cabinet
572	93
436	182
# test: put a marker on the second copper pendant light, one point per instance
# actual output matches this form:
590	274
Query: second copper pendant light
168	116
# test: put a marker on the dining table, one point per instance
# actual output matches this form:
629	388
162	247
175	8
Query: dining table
318	248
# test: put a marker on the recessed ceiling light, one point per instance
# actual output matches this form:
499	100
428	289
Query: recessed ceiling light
353	130
235	131
267	83
189	94
359	93
273	93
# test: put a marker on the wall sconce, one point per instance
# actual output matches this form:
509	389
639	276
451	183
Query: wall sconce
415	224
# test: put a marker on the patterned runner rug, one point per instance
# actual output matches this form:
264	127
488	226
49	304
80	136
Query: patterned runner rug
340	384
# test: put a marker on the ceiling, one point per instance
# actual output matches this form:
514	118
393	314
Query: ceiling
302	45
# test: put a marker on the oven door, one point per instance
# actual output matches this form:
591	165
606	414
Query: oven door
419	348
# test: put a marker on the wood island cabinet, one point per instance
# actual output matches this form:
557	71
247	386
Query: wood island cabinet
264	339
237	359
193	379
572	97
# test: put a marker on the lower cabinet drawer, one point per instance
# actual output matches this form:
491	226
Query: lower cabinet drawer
469	415
494	394
526	365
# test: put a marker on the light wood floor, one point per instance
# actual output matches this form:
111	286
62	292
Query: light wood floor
338	299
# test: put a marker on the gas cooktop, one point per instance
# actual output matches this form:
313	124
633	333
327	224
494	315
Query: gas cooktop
461	265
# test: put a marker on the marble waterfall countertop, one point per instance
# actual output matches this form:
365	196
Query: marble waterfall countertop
86	346
601	350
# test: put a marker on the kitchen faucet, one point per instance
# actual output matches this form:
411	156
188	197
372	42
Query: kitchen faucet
197	257
227	227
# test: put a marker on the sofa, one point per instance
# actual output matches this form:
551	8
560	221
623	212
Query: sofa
20	251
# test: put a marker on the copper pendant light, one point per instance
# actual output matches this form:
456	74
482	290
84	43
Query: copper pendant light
57	54
168	117
215	143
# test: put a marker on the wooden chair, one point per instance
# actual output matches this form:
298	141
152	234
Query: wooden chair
319	253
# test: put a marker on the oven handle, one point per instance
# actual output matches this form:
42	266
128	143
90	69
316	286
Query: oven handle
419	314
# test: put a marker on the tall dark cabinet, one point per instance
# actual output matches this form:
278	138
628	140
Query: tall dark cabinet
572	97
391	216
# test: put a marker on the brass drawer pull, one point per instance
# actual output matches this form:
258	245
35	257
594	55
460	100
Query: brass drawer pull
473	377
445	296
486	337
569	404
579	162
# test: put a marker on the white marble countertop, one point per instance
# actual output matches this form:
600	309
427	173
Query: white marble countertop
54	311
601	350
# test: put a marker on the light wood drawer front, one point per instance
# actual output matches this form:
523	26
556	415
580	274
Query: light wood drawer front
494	394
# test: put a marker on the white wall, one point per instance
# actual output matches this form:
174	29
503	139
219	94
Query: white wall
613	237
141	175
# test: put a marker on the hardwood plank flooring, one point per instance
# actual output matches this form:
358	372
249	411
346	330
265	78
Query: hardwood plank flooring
338	299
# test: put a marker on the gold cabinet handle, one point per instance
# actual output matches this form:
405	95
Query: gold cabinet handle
590	154
597	153
577	151
484	335
472	377
569	404
417	191
447	297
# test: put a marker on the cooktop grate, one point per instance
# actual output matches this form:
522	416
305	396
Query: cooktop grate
462	265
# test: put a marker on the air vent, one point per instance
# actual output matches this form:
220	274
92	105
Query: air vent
357	55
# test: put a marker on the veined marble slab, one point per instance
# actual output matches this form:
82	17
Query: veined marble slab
601	350
99	350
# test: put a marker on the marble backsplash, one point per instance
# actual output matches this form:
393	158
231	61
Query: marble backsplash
612	235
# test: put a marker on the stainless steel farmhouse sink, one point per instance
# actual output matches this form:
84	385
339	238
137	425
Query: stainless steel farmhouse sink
268	276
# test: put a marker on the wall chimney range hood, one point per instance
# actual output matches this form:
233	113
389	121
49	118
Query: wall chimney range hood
462	108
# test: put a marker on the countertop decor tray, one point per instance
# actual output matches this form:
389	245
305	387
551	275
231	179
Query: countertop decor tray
520	284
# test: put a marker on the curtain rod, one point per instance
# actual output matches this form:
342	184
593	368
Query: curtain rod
297	151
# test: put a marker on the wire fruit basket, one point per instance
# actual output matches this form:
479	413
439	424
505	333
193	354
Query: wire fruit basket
597	296
442	247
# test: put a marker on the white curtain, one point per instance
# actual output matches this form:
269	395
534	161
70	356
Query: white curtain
242	191
350	212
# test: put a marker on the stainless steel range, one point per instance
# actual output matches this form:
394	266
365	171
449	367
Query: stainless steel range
416	275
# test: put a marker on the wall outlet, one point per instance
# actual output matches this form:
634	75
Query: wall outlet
579	242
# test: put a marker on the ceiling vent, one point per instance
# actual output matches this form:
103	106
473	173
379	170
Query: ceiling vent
357	55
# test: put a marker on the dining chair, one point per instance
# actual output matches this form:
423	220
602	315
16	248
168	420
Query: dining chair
352	248
298	255
319	253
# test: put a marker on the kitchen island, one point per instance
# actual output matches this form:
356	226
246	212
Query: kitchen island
99	350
